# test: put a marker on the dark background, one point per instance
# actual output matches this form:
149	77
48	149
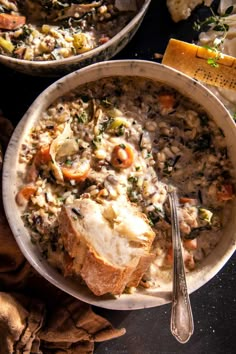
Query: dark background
214	305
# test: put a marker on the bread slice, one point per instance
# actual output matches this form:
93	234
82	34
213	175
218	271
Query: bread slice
181	9
108	244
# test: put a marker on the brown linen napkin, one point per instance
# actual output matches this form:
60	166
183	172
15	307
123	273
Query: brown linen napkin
20	320
27	326
35	316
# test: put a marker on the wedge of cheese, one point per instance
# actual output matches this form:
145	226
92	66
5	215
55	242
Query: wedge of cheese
108	245
197	61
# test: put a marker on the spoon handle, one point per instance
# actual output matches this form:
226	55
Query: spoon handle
182	326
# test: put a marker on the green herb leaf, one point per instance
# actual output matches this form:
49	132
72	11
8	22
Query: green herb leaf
229	11
97	140
221	27
106	103
120	131
133	179
153	217
212	62
68	162
103	126
83	117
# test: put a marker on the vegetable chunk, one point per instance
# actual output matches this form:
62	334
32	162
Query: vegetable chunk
11	22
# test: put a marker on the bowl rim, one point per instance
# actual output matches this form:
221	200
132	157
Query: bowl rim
124	302
83	56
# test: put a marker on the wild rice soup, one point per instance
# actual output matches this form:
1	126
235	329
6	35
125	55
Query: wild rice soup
52	29
133	137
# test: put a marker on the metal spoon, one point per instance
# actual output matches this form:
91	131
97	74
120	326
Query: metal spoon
181	323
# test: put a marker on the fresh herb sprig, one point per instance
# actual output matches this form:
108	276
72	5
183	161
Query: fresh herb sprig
216	23
213	61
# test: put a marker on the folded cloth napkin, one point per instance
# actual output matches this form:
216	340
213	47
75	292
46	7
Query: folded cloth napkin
31	321
28	326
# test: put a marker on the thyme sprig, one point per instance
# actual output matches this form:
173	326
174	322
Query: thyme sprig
213	61
216	23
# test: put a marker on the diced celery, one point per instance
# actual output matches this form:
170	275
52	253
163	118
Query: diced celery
80	42
6	45
114	113
29	54
46	29
117	122
205	214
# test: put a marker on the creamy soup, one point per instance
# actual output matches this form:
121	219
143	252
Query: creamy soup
129	137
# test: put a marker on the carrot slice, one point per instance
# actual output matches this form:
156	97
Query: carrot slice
11	22
170	256
24	194
190	244
166	100
189	261
41	157
103	40
225	193
185	200
122	156
78	174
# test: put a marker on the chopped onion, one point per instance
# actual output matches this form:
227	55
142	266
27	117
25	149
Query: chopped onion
56	147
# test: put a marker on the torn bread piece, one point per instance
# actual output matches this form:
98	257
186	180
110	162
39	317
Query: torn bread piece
181	9
108	244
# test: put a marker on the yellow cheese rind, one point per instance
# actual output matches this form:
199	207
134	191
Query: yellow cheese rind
192	60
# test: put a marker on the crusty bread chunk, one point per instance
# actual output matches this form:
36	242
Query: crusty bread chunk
108	244
181	9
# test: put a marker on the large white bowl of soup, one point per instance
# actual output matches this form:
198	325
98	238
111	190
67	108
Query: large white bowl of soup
87	174
53	38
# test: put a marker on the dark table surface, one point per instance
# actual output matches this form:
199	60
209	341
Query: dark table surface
213	305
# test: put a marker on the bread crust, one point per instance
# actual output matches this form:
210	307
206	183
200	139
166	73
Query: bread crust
181	9
73	242
100	275
141	268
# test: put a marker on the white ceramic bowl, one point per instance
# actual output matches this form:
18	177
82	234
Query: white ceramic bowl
185	85
101	53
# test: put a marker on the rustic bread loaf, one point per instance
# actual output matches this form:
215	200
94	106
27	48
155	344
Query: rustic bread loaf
108	244
181	9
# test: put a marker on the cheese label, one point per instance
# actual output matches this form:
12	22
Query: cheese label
201	63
